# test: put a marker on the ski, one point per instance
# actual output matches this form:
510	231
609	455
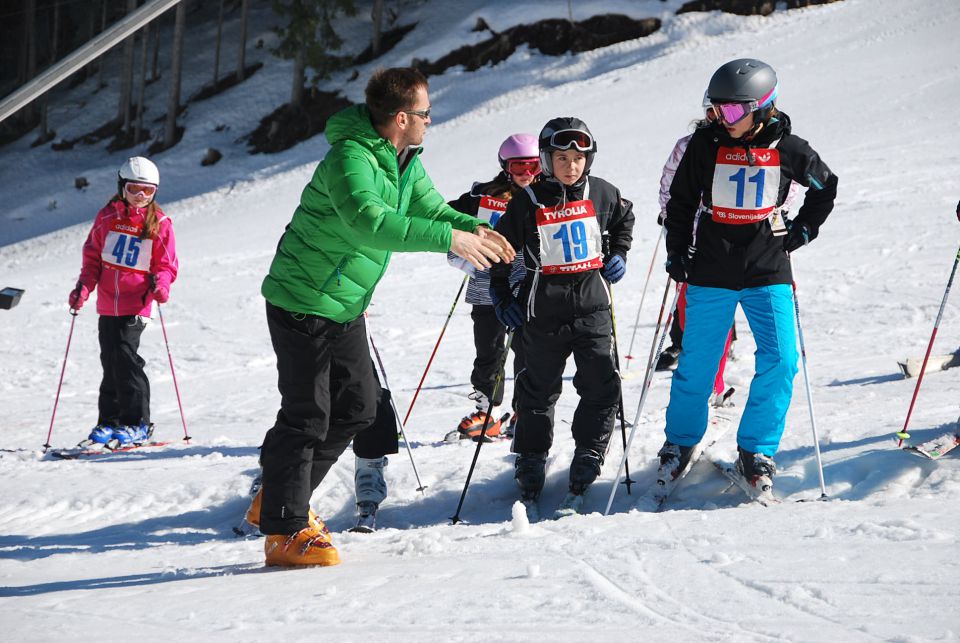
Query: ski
494	432
85	451
763	497
937	447
571	504
244	528
911	367
366	524
718	427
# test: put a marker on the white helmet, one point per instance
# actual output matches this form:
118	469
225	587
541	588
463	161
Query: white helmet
139	170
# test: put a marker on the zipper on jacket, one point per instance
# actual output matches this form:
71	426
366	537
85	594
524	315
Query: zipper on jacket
335	273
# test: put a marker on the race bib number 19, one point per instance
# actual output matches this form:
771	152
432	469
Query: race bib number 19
744	193
570	238
124	250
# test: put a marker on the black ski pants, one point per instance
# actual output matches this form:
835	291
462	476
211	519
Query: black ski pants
125	389
547	346
328	394
489	337
381	438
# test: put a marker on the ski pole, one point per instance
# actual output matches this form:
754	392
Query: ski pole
396	413
636	322
63	369
173	373
806	383
436	346
655	350
620	412
483	431
903	435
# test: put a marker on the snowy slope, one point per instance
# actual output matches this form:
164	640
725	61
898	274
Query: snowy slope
142	541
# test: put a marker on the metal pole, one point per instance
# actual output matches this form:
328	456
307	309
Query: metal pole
386	384
636	322
63	370
483	431
183	419
806	382
98	46
620	410
656	349
903	433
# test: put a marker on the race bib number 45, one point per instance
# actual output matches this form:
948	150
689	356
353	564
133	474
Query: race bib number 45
570	238
124	250
744	193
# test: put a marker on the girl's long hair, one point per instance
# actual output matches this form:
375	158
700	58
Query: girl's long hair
151	221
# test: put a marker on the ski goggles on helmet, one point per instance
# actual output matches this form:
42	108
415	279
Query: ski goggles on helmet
733	113
567	138
146	189
522	167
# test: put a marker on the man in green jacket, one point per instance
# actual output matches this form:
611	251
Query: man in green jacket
368	198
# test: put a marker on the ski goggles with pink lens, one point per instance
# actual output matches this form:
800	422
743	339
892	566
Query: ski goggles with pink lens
146	189
733	113
567	138
522	167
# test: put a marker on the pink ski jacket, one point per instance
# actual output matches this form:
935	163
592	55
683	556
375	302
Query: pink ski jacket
119	263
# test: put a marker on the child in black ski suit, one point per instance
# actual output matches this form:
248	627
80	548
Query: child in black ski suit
563	305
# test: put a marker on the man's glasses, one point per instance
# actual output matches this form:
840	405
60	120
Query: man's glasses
422	113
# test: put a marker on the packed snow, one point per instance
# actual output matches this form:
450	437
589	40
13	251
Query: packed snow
142	542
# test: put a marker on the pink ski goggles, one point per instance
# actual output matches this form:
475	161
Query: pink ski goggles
733	113
522	167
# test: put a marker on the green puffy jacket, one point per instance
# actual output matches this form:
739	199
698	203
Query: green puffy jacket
355	212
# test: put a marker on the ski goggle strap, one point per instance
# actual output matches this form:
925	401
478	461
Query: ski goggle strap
146	189
567	138
522	167
733	113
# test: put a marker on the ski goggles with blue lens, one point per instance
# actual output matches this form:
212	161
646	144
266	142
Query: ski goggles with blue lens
566	138
733	113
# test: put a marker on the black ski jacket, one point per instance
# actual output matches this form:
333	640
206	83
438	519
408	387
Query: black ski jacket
748	255
559	299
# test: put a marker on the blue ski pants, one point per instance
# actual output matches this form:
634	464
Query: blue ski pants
770	314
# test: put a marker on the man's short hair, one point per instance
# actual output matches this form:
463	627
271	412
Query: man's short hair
392	90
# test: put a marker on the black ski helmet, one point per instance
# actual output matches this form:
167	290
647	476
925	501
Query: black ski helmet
745	80
549	142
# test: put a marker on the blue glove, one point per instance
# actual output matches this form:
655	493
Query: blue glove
797	236
615	269
507	310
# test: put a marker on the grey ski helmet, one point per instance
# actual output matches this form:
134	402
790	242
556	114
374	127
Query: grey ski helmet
564	133
745	80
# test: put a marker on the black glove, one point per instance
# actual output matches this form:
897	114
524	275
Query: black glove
677	267
958	211
798	236
507	310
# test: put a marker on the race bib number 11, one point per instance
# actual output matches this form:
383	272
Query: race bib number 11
744	193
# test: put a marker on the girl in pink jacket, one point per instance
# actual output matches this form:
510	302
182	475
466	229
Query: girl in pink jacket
130	257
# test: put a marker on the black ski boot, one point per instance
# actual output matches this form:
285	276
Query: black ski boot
584	470
530	474
668	359
673	460
757	469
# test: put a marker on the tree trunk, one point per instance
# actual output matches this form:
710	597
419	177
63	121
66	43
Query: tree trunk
155	73
103	57
299	78
242	61
173	104
216	53
45	133
144	36
30	47
377	15
126	75
88	31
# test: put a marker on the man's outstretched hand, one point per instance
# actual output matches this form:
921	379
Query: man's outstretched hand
482	248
